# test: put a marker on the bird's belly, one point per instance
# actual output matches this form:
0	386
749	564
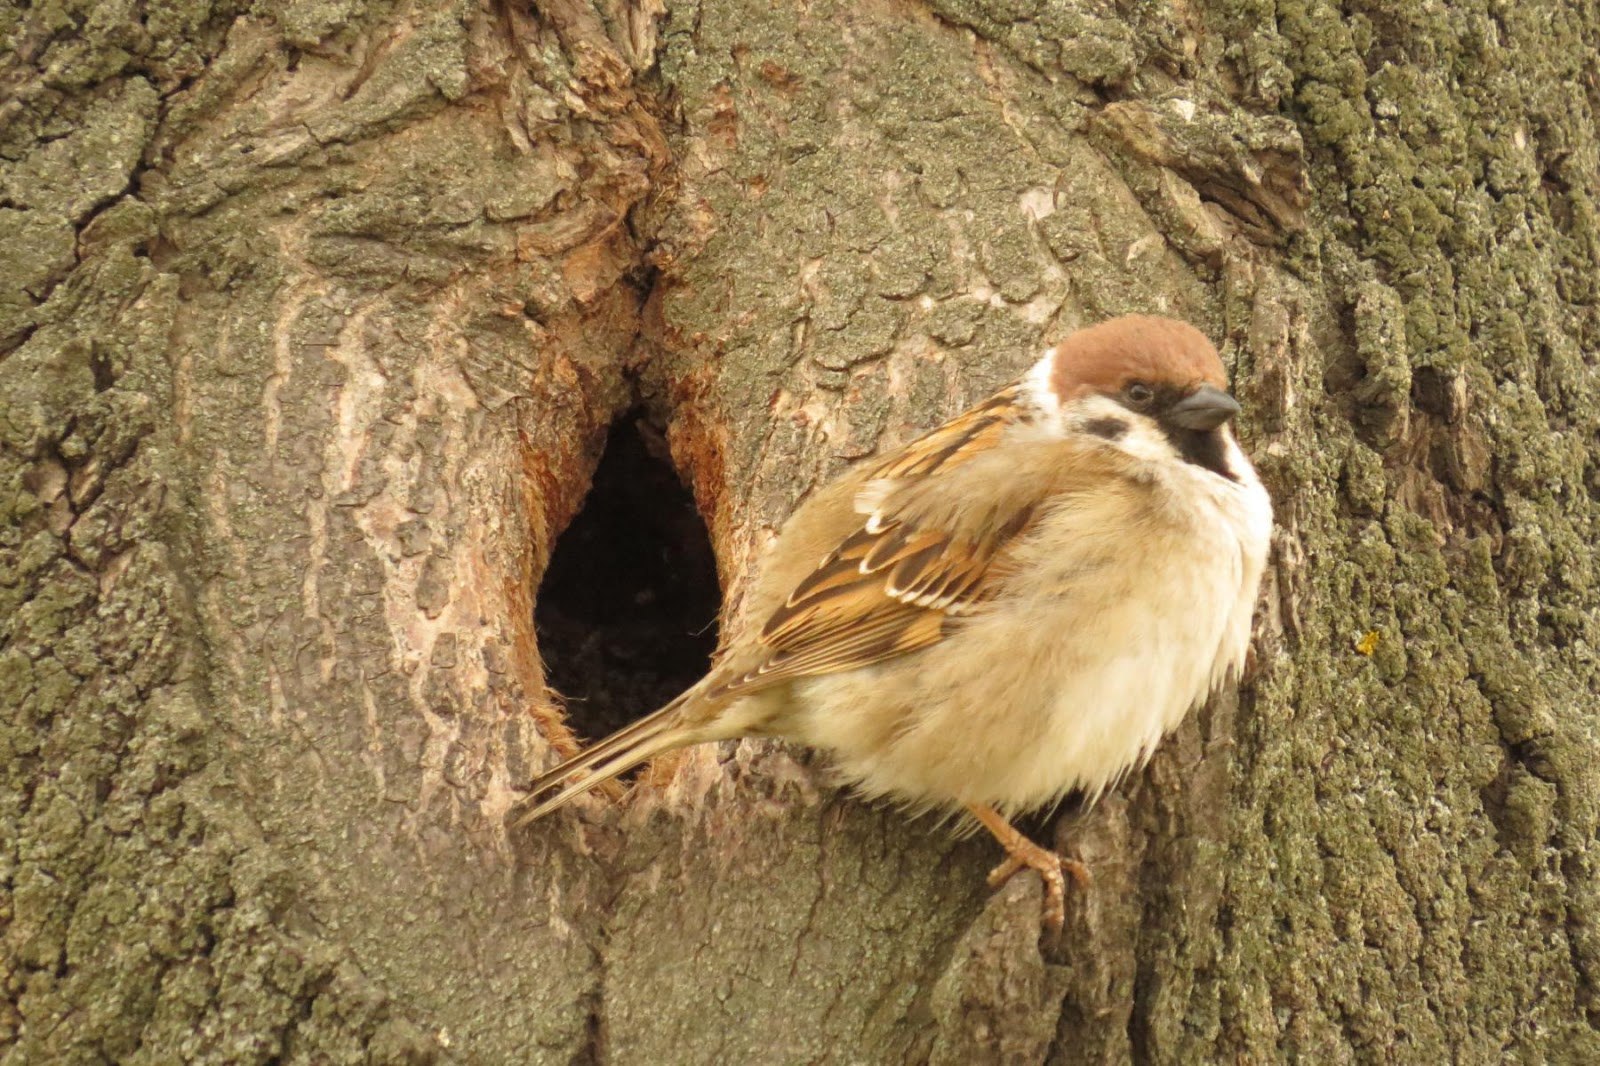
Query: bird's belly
1068	694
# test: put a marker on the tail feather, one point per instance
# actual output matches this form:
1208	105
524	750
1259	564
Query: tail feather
616	754
622	763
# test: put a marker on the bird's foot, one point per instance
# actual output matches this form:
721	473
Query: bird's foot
1022	853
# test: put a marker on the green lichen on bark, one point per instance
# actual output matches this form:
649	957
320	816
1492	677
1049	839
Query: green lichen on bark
144	921
1428	813
145	917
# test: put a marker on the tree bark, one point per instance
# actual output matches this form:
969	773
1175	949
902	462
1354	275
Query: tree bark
313	322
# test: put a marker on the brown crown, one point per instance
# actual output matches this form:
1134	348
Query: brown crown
1157	351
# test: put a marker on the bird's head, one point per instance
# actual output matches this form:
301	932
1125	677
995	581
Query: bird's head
1153	387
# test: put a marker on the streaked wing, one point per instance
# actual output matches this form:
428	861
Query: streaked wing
973	430
894	585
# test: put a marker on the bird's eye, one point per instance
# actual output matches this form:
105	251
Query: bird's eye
1139	394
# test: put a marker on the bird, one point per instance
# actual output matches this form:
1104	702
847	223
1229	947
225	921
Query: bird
1016	606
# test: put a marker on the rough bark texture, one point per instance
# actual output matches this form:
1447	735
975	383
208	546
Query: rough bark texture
313	317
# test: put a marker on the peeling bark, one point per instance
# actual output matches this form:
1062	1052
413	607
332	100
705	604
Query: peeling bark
313	324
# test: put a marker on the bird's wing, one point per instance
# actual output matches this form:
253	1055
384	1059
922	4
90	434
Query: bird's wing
940	519
971	433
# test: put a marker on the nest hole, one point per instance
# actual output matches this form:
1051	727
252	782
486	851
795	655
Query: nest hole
627	611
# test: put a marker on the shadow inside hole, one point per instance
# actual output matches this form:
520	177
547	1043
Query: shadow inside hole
627	611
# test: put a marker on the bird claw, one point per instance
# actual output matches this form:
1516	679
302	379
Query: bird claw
1022	852
1025	854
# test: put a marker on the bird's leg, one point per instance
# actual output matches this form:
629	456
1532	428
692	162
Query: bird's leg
1020	852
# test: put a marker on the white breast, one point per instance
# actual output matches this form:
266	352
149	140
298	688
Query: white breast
1134	615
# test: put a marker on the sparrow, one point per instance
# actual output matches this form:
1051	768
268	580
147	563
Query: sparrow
1017	605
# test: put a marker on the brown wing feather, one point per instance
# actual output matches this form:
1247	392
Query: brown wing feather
969	433
881	594
890	587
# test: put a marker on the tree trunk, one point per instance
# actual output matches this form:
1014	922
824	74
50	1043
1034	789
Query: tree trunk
314	324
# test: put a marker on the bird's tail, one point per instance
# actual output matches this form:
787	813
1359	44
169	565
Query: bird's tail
616	754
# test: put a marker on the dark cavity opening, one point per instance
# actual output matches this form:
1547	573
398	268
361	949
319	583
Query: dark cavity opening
627	612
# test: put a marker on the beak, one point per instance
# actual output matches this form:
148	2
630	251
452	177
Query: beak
1205	408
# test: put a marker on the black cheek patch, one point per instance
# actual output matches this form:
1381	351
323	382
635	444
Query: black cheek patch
1109	428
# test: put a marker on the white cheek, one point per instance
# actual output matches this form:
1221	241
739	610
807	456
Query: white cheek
1142	439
